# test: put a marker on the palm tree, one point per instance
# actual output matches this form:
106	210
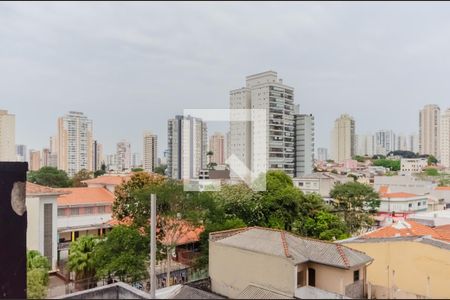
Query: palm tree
81	260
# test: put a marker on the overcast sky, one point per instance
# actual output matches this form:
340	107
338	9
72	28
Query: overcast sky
131	66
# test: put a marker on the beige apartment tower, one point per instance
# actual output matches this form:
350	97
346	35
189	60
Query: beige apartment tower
217	146
343	138
7	136
150	159
445	139
35	160
429	132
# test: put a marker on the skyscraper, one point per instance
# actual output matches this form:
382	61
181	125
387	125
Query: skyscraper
7	136
343	138
187	144
150	159
429	134
136	160
123	156
413	143
21	153
35	160
217	146
45	158
365	144
402	143
274	150
322	154
385	142
304	144
74	143
97	156
445	138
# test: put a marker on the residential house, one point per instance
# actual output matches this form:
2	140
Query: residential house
108	182
257	262
319	183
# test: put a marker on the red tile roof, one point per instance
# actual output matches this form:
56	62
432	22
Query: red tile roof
383	190
443	231
37	189
85	195
442	188
398	195
403	228
108	180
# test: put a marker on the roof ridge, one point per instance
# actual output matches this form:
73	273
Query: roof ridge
285	244
342	254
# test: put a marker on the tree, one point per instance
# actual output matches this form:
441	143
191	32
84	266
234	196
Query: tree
49	176
432	160
161	169
81	176
37	275
431	172
355	202
137	170
392	164
81	260
360	158
122	253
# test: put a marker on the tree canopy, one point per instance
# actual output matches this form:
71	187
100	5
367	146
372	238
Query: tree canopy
81	176
37	275
50	176
392	164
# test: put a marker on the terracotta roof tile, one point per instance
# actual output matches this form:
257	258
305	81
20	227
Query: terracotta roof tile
383	190
442	188
443	231
403	228
85	195
37	189
399	195
108	180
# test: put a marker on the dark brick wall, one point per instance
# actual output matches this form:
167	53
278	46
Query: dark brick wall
13	230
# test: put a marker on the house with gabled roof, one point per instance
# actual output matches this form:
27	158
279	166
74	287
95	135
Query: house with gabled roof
257	262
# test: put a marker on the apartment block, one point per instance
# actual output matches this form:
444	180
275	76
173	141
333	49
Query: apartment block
7	136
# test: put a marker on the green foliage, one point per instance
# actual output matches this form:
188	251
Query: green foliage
360	158
378	156
99	173
37	275
432	160
49	176
123	253
137	170
161	169
81	176
81	260
355	202
431	172
403	154
393	165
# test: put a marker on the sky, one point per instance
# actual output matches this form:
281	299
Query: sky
131	66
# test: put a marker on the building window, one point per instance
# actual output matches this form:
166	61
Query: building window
61	212
74	211
355	275
101	209
300	279
88	210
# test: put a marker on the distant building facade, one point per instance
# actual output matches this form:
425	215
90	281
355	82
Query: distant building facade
217	146
429	130
123	156
7	136
304	144
343	138
150	161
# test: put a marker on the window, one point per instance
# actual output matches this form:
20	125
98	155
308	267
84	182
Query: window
101	209
311	277
410	205
355	275
88	210
61	212
300	278
74	211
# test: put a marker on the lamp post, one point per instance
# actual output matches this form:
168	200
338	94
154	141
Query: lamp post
152	246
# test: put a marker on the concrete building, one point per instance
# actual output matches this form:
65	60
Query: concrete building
111	162
413	143
404	183
409	166
319	183
444	142
46	158
258	149
109	182
217	146
227	145
385	142
304	144
187	145
123	156
365	145
411	261
74	143
401	202
21	153
150	151
322	154
343	139
275	264
35	160
429	130
7	136
136	160
97	156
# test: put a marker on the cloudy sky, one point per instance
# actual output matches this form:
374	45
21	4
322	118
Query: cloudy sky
131	66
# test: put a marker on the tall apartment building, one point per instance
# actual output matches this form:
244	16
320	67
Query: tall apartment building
123	156
7	136
260	149
343	138
136	160
304	144
111	161
21	153
97	156
429	134
74	143
187	147
35	160
385	142
445	139
46	158
217	146
365	144
150	158
401	142
227	145
322	154
413	143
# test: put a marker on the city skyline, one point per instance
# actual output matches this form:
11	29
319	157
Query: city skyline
369	69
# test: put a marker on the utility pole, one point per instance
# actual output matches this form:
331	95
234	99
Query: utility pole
153	246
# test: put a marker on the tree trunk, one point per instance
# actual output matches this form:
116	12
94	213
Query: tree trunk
169	258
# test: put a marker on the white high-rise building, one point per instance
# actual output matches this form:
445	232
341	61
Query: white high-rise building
136	160
274	150
365	145
429	134
322	154
304	144
413	143
385	142
187	144
21	153
343	138
150	161
445	139
402	143
111	161
217	146
74	143
7	136
123	156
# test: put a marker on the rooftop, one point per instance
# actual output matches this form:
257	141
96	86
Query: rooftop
294	248
33	189
108	179
85	195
